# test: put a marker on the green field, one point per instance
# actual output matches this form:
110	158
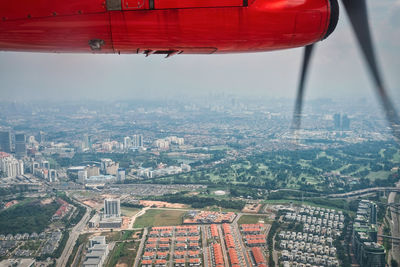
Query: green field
129	212
123	253
348	167
250	219
159	217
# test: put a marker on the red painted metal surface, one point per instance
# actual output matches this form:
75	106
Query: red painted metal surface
167	4
161	26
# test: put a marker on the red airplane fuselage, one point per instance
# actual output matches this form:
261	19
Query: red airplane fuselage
163	26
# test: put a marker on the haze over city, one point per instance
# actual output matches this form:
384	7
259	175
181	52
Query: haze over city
194	160
337	70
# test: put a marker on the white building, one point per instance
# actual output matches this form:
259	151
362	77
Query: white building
109	167
121	175
161	144
127	142
137	140
97	252
10	166
52	176
82	176
112	208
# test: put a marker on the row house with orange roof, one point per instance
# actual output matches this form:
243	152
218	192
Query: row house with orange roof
217	257
258	257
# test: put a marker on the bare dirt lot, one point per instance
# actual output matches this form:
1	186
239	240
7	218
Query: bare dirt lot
162	204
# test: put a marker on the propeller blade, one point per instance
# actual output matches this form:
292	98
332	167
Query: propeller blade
300	91
357	12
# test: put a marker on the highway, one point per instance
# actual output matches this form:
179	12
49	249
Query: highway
73	236
365	191
395	226
348	194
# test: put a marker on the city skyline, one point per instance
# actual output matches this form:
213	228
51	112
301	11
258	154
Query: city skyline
337	70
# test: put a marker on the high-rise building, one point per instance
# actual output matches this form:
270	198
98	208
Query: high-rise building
108	166
365	235
345	123
121	175
5	141
86	142
52	176
341	122
41	138
9	166
336	121
127	142
112	208
20	145
45	164
35	165
137	140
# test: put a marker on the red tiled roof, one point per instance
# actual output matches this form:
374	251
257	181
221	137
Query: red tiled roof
230	242
196	260
218	254
258	256
149	253
256	241
233	256
214	230
194	252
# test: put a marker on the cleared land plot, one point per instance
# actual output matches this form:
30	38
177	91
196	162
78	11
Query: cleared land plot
159	217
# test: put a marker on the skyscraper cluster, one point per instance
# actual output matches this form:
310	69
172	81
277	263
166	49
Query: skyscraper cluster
341	122
6	144
133	142
10	166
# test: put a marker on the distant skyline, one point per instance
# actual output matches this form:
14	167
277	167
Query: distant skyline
337	70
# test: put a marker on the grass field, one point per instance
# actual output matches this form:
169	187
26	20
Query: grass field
159	217
250	219
126	211
378	175
123	254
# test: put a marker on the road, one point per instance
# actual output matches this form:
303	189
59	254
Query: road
224	252
239	238
365	191
73	236
395	226
134	217
140	250
204	244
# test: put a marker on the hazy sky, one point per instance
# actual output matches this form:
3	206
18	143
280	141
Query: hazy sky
337	69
